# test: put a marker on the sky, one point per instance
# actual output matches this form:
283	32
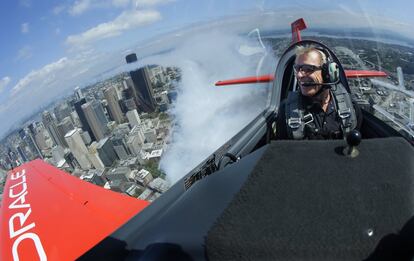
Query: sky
48	47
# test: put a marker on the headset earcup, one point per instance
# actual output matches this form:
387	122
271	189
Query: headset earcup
333	71
325	72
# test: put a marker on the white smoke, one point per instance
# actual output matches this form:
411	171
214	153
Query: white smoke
206	115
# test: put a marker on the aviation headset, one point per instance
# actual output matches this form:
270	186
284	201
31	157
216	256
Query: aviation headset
330	70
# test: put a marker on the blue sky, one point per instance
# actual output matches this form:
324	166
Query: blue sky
41	39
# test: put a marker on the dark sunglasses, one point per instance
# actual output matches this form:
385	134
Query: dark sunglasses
306	68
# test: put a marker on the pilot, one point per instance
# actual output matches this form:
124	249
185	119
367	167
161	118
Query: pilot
322	108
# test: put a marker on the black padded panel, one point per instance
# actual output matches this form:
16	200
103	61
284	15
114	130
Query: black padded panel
306	201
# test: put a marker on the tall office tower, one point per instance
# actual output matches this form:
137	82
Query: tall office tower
78	93
135	140
143	90
106	152
133	118
22	152
127	101
78	148
13	157
65	126
114	109
75	119
71	161
129	105
29	139
86	137
40	139
51	127
82	118
120	147
62	111
58	155
32	128
94	156
139	132
96	119
130	58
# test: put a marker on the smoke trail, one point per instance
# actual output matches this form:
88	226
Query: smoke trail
207	116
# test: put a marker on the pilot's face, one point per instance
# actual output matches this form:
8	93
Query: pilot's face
309	74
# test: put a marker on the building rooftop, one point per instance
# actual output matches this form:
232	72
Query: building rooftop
144	195
70	133
143	173
102	142
155	154
159	184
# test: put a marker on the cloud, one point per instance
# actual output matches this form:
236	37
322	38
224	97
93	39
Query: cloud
151	3
42	76
24	53
58	9
51	82
79	7
121	3
25	28
4	82
125	21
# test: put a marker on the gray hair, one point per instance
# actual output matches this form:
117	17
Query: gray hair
303	50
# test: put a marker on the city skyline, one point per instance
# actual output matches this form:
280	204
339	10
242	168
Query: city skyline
125	143
43	58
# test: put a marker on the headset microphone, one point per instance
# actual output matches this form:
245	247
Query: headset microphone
323	84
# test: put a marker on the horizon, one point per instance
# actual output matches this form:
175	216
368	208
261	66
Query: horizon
89	48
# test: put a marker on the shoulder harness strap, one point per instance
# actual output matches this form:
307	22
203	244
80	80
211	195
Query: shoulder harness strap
295	118
345	109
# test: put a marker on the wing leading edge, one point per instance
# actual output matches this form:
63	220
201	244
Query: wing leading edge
270	78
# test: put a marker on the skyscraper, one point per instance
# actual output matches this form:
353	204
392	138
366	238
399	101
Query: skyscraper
78	148
143	90
65	126
51	127
120	147
113	105
27	136
78	93
22	152
133	118
82	118
106	152
96	119
62	111
94	156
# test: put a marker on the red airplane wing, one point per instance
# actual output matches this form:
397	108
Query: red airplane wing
364	74
47	214
251	79
270	78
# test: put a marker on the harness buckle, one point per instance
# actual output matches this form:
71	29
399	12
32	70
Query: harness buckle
294	123
308	118
344	114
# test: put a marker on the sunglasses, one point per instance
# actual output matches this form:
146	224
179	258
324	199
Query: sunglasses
306	68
